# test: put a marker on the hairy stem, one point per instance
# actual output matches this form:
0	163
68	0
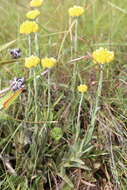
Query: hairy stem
78	118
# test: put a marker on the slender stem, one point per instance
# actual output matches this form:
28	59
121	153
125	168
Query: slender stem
64	38
29	45
79	108
75	50
71	36
30	74
35	97
89	134
37	76
49	94
35	79
43	73
94	114
78	118
76	35
10	139
73	39
36	43
29	50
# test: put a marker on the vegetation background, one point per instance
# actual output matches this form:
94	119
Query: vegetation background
33	154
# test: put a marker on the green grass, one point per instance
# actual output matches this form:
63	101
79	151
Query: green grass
39	150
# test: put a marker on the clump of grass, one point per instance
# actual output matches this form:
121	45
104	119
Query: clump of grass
54	137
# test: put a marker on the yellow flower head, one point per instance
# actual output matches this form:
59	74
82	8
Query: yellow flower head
82	88
48	62
76	11
32	61
36	3
33	14
28	27
102	56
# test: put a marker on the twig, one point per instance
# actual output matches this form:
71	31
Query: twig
85	57
87	183
33	122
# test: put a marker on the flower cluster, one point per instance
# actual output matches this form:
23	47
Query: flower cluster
32	61
82	88
28	27
36	3
102	56
33	14
48	62
76	11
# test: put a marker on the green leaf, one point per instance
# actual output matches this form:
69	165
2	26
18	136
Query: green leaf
56	133
66	187
4	116
76	165
65	177
5	46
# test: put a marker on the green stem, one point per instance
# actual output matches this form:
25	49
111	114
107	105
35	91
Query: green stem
35	97
49	94
71	36
35	80
30	50
90	131
78	118
96	108
30	74
76	35
69	31
36	44
94	114
29	45
75	65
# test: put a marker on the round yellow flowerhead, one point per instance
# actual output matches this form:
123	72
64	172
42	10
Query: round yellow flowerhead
33	14
32	61
76	11
102	56
36	3
82	88
48	62
28	27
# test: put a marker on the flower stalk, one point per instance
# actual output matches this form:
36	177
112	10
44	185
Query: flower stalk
82	88
78	118
89	134
49	93
29	45
36	43
35	80
75	68
76	36
35	97
30	74
94	114
100	56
